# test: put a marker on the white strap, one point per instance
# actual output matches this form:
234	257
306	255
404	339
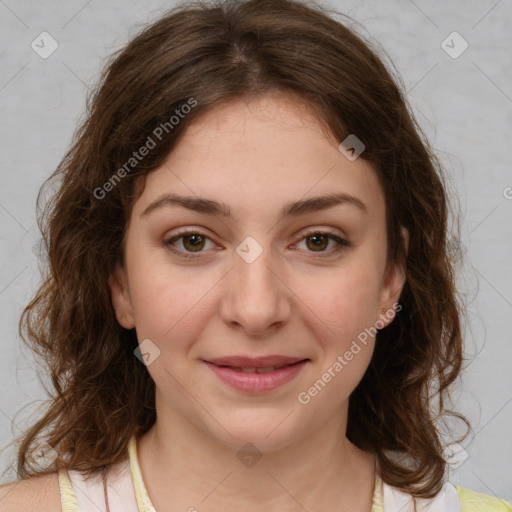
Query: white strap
90	493
395	500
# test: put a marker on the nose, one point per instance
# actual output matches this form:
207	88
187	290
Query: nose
256	298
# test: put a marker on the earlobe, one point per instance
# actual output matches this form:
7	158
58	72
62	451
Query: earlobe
399	279
401	269
405	236
393	285
120	297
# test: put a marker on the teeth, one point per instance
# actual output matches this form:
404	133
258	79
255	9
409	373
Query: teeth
257	370
267	370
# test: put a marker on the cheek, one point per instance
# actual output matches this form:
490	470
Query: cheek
343	302
171	304
343	321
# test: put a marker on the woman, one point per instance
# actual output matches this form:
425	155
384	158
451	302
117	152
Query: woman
250	300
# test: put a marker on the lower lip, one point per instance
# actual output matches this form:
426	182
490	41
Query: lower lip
257	382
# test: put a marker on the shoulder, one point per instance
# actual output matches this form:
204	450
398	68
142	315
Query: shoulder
472	501
40	493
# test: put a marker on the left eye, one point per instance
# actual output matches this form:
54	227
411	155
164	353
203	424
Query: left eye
319	241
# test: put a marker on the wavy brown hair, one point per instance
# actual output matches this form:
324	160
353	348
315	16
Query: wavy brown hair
214	53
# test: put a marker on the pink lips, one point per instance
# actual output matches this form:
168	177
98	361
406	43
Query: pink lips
256	375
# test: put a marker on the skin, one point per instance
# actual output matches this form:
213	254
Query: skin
256	156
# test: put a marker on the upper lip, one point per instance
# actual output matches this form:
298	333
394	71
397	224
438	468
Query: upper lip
256	362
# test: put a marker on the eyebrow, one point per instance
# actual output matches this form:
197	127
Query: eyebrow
294	209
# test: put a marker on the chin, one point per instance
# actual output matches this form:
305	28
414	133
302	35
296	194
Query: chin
266	431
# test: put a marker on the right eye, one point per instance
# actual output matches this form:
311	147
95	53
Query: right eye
191	242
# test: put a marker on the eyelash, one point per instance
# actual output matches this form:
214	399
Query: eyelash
341	243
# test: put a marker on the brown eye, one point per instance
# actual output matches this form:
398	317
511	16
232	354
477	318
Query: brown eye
318	242
189	242
193	243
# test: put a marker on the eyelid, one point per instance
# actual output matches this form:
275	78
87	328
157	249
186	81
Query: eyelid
322	231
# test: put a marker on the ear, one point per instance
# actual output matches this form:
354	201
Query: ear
392	287
121	301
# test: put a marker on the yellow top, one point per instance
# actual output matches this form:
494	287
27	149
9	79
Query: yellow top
470	501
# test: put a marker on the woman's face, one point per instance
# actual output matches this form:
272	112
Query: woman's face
227	256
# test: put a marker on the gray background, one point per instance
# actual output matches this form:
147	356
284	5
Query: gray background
464	105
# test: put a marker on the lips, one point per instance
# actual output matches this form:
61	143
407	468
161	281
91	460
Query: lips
256	375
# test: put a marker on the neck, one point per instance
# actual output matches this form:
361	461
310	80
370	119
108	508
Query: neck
188	468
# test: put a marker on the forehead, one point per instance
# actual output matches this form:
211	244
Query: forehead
247	125
261	152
